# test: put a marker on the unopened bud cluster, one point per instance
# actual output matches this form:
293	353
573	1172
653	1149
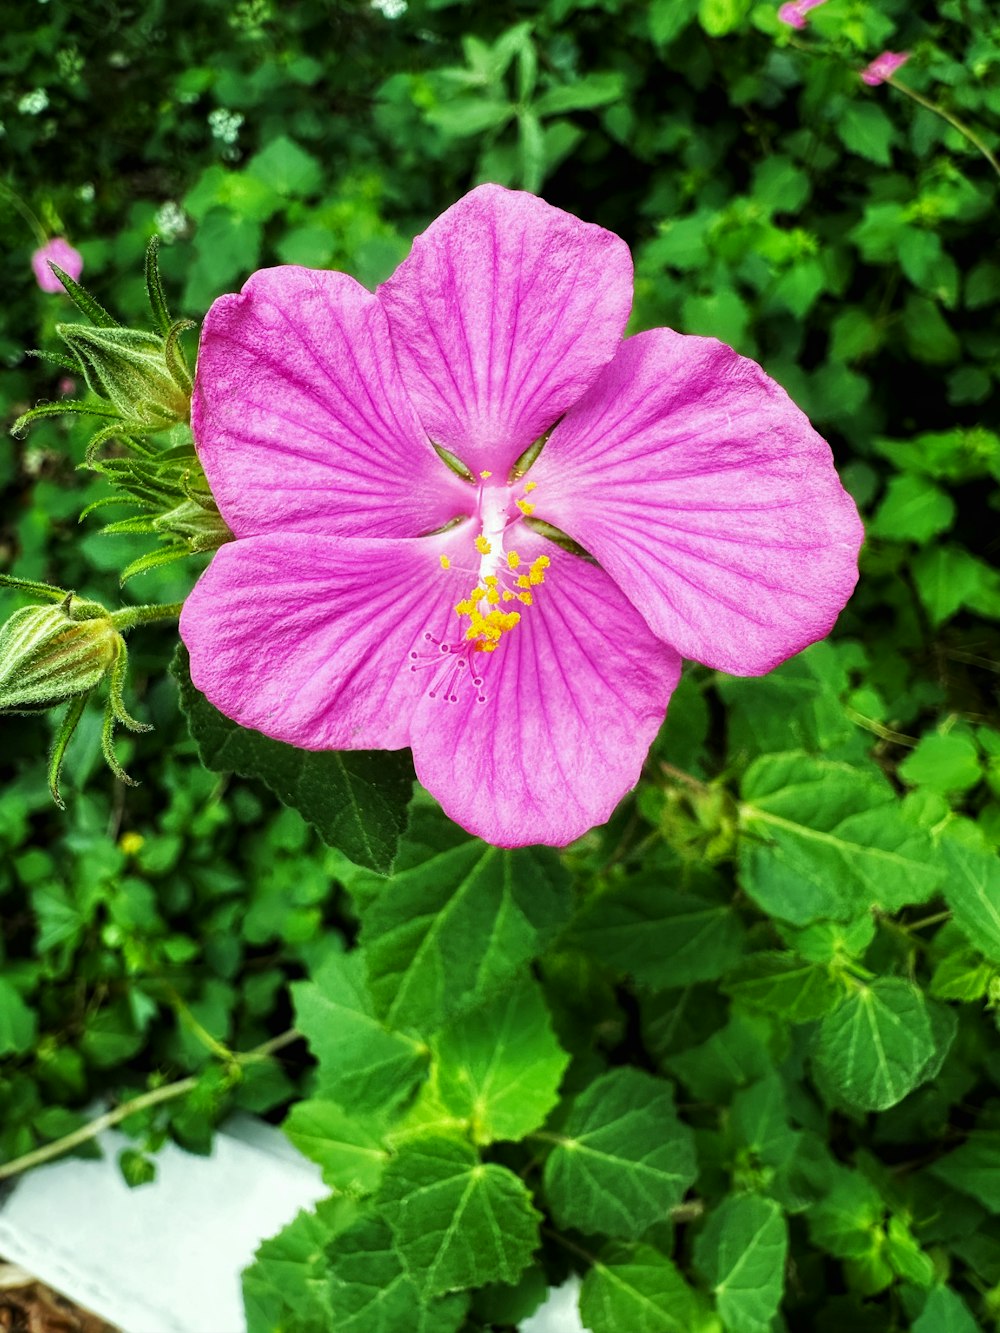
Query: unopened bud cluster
49	654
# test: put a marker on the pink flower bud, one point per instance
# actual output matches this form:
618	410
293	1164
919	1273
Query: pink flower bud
60	252
794	12
883	67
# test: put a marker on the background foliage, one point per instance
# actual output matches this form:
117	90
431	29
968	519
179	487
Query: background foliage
734	1057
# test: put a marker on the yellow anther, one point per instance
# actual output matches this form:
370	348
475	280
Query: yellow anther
486	475
445	562
492	596
490	580
526	508
508	596
482	545
524	581
531	485
526	598
542	562
535	577
513	560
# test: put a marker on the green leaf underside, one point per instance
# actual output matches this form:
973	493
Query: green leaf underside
362	1065
638	1289
370	1290
875	1047
742	1253
457	920
355	799
660	936
623	1159
457	1222
500	1065
825	840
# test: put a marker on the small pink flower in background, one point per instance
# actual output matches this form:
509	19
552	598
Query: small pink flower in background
67	386
60	252
883	67
794	13
375	599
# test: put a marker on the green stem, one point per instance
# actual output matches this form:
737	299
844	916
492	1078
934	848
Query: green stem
146	1100
130	616
954	121
25	212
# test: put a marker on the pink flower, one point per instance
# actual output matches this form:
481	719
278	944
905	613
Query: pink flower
60	252
794	13
883	67
374	599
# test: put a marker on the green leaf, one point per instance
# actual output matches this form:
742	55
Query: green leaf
457	921
796	706
945	1312
457	1222
669	18
974	1168
18	1023
348	1148
362	1065
286	168
635	1288
875	1047
943	763
659	936
962	975
370	1290
283	1289
597	89
719	17
786	985
948	578
972	891
822	839
848	1221
356	800
470	115
500	1065
865	129
741	1253
623	1159
913	510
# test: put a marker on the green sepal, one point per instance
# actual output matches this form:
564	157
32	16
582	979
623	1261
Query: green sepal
154	287
83	300
63	737
129	368
71	405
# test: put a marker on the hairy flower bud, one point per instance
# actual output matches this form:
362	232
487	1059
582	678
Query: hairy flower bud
49	654
139	373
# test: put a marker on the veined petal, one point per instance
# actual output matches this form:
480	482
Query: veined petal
301	419
503	314
557	731
322	642
703	490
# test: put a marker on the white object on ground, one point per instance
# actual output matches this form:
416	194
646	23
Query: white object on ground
560	1313
165	1257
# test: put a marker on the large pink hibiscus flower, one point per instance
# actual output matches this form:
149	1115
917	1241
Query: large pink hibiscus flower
377	597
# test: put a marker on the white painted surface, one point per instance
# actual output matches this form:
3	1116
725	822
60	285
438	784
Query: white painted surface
165	1257
560	1313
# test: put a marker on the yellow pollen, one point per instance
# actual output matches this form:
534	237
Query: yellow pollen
523	581
492	596
531	485
482	545
513	560
486	475
526	508
508	596
490	580
445	562
526	598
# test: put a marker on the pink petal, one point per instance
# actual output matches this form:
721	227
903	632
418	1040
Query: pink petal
701	488
502	316
300	416
308	638
57	251
574	696
883	67
792	14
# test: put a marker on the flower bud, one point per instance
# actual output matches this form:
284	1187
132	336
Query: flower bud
133	370
49	654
